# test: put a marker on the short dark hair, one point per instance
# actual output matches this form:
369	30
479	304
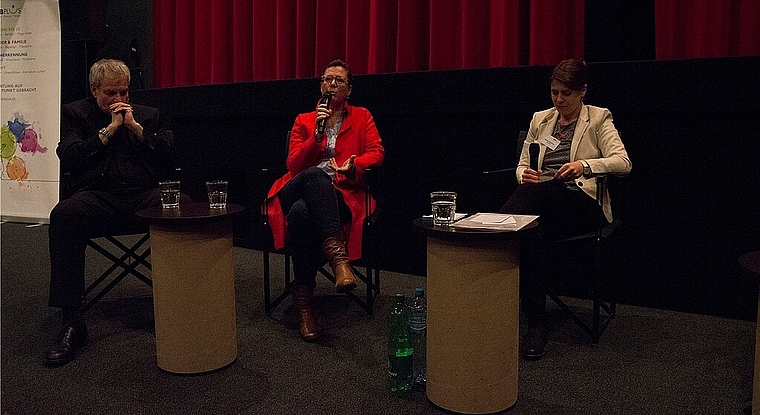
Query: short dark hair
571	72
344	65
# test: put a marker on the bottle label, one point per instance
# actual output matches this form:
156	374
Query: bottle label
418	321
401	367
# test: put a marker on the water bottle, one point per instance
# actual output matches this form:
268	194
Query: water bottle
418	326
400	348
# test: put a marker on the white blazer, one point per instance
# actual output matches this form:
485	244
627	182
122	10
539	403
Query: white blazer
596	140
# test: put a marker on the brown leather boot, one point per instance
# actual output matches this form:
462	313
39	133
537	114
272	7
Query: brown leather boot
303	300
335	251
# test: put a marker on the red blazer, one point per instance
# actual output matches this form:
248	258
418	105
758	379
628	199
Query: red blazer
358	135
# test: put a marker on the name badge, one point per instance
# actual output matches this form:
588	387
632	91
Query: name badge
549	141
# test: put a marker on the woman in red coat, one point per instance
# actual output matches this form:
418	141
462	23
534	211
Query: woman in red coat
318	206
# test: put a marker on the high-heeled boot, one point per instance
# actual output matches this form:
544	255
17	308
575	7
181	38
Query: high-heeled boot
335	251
303	301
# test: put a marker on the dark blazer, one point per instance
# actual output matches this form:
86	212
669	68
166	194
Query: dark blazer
84	158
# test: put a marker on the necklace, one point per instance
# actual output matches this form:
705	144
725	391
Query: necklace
564	132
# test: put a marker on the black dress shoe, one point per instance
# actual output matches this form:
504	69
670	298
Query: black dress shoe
66	345
534	343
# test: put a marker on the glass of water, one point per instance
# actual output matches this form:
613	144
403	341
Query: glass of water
169	194
217	194
444	207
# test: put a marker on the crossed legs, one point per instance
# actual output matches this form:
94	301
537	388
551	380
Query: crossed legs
315	211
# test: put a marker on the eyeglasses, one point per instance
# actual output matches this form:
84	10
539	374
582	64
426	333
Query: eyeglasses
337	79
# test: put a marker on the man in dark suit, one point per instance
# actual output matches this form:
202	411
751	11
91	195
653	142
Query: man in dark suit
113	154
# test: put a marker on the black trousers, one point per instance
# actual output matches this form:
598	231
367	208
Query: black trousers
315	210
563	212
84	215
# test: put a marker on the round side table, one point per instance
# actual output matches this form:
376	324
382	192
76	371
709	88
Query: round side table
751	262
193	286
473	317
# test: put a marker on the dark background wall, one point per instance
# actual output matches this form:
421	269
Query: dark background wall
689	206
619	30
97	29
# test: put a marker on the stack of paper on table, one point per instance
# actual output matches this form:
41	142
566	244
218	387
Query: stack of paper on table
457	216
495	221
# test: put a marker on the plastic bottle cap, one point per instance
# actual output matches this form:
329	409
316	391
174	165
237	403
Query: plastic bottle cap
419	291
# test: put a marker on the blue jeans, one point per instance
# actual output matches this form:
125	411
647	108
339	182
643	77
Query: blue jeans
315	210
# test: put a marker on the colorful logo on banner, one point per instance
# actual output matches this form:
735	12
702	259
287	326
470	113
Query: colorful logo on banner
18	139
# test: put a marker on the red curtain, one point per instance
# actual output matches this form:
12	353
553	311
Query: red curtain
218	41
712	28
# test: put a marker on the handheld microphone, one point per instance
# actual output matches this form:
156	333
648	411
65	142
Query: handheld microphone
534	150
321	124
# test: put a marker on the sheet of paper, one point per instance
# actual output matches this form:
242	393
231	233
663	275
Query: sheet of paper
457	216
495	221
495	218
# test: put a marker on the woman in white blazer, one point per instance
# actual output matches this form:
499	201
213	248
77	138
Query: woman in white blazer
576	142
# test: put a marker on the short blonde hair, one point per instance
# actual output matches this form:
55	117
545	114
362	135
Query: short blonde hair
108	68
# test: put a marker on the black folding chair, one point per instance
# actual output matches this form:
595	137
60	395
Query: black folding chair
371	275
129	259
596	246
128	253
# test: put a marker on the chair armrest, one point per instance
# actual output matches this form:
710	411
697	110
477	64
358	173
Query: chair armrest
601	187
265	211
371	175
496	171
607	231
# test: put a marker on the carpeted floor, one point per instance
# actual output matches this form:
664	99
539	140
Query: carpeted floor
647	362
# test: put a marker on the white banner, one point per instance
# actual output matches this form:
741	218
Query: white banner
30	101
